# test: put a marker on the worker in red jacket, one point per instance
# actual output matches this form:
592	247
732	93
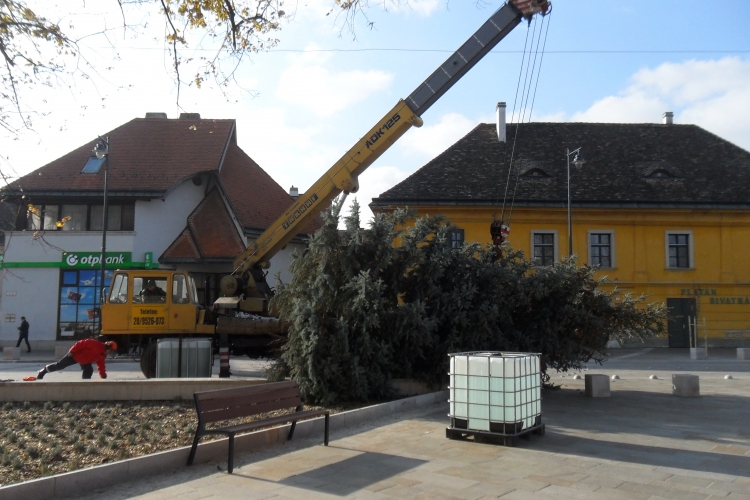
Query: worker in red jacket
84	352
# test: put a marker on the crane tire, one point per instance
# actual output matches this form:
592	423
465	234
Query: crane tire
148	360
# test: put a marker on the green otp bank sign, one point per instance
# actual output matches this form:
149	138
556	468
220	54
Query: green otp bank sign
90	260
93	260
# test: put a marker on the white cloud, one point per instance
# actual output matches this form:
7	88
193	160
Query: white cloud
431	140
425	7
372	183
694	81
637	106
318	10
309	83
289	154
713	94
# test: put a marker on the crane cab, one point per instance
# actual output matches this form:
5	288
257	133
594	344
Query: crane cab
147	302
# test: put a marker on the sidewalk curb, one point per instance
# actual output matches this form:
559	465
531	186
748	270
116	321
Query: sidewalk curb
84	481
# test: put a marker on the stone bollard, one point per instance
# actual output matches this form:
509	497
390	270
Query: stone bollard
698	353
685	385
61	351
11	353
597	386
743	353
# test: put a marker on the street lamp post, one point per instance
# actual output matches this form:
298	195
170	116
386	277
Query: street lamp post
94	166
578	162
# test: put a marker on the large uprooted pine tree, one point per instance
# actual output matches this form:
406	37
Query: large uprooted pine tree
365	306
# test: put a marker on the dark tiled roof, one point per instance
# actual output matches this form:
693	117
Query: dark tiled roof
210	235
146	155
623	164
256	198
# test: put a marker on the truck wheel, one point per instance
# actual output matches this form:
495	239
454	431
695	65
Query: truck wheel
148	360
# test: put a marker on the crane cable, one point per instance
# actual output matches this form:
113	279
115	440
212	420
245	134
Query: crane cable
524	96
513	114
531	109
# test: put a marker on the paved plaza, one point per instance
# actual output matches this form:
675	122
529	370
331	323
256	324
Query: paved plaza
640	443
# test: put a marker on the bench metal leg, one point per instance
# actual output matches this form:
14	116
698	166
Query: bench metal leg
325	440
291	430
230	461
193	449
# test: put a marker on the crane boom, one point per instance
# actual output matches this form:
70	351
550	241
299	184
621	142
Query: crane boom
248	277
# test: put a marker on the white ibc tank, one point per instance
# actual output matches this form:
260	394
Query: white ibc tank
197	358
495	391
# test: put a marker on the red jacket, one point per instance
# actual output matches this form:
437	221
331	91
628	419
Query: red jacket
90	351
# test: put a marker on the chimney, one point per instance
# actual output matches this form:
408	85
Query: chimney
156	115
500	121
294	192
190	116
667	117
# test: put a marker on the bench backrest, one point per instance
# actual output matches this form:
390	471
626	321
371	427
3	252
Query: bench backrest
224	404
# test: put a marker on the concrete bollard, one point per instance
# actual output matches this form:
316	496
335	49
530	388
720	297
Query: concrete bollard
743	353
11	353
597	386
61	351
698	353
685	385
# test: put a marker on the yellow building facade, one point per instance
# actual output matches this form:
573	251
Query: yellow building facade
647	226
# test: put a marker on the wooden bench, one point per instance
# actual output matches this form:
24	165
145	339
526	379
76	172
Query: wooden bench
225	404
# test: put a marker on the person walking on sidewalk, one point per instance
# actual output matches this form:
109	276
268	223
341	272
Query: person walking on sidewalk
83	352
23	333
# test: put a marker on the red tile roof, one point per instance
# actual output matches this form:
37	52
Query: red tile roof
150	156
145	155
210	235
256	198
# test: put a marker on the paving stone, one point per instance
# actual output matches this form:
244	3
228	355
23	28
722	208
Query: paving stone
730	487
552	480
558	492
661	491
686	481
738	496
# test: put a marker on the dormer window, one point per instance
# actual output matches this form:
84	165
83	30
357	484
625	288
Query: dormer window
660	173
536	173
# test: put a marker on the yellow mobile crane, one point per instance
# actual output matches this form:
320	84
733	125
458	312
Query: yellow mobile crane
177	312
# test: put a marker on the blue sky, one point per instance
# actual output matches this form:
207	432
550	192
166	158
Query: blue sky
322	88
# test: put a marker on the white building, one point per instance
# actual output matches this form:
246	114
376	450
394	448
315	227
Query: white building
181	194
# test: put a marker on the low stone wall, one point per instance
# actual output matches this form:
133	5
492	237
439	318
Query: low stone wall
160	389
81	482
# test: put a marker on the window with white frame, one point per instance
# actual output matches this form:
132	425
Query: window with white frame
544	247
456	238
602	248
679	249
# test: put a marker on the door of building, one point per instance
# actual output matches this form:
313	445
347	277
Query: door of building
677	324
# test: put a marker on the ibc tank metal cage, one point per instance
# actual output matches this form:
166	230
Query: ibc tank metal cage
495	395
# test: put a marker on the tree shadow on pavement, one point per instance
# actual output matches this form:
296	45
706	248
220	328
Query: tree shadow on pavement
715	418
347	475
706	433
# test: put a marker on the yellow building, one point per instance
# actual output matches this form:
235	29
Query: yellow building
662	209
